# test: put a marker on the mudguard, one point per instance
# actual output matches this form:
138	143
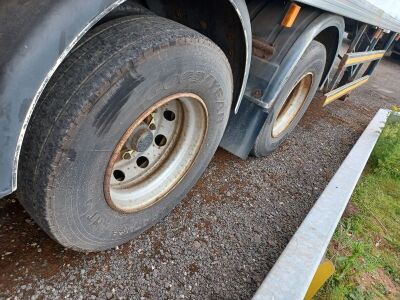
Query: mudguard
35	37
271	65
270	76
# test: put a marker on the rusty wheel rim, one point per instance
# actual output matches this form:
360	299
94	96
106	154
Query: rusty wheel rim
156	152
293	104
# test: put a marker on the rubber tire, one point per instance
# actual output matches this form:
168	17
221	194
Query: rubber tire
85	110
313	60
126	9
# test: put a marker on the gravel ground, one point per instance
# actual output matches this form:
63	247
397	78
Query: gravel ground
224	237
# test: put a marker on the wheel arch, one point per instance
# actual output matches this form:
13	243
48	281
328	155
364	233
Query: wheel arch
319	29
225	22
35	48
330	38
271	69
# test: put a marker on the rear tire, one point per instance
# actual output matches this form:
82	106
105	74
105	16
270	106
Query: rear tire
101	90
293	100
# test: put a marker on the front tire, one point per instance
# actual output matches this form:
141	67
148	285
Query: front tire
106	104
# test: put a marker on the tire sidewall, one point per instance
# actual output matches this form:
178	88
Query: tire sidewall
78	203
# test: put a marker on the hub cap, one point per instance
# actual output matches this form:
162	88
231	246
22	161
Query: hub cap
156	152
292	105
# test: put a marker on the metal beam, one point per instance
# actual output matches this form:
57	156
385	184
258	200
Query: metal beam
373	65
344	90
292	274
341	68
351	59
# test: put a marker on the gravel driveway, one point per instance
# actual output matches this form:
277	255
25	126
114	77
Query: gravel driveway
226	234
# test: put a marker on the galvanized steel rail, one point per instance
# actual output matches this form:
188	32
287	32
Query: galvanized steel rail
292	274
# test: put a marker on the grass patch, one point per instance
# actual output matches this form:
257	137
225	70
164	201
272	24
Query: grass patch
365	248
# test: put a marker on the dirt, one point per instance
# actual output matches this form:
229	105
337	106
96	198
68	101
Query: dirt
370	280
224	237
350	210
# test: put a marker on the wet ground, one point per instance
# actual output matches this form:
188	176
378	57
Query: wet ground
226	234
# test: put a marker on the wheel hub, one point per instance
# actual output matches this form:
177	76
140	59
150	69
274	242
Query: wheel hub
141	139
155	152
293	104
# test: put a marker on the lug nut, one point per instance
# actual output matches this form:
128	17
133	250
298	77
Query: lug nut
152	124
127	155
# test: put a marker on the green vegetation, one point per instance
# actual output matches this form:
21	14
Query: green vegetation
366	245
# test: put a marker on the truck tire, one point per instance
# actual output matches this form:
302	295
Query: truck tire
124	129
126	9
293	100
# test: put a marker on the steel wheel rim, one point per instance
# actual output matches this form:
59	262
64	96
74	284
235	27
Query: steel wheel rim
171	132
293	104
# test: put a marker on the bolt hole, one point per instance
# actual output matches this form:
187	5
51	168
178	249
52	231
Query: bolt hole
119	175
160	140
169	115
142	162
152	126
